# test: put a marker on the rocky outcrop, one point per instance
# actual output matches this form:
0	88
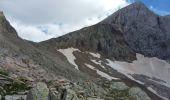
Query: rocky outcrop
65	90
38	92
144	31
5	26
118	86
138	94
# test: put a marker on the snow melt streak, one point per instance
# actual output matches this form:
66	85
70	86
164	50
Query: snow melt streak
102	74
69	55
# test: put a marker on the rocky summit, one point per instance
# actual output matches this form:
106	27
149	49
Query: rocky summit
124	57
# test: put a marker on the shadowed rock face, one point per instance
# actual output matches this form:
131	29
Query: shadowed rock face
5	27
144	31
102	38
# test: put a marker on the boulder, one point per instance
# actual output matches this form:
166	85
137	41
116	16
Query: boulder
118	86
90	98
70	95
138	94
15	97
38	92
55	95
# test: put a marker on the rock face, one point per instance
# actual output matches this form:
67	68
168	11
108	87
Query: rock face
144	31
5	26
102	38
70	95
38	92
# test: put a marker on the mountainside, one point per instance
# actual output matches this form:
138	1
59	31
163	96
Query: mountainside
18	52
144	31
133	34
101	38
124	57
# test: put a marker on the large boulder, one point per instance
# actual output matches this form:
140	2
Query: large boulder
118	86
15	97
38	92
54	94
138	94
70	95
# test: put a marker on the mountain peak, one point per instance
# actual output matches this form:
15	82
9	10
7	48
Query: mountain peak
135	12
138	4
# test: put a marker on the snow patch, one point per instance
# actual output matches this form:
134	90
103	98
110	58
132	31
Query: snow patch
102	74
151	67
68	53
98	63
96	55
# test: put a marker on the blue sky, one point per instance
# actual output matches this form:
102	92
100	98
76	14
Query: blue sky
39	20
161	7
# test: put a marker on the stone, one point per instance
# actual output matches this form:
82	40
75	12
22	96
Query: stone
15	97
119	86
70	95
138	94
38	92
90	98
54	95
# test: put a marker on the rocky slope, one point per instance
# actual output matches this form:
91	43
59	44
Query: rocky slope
101	38
23	55
144	31
99	62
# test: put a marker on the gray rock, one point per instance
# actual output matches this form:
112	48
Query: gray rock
39	92
70	95
90	98
119	86
138	94
54	95
15	97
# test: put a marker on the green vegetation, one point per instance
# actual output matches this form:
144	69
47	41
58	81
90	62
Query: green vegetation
119	95
12	86
15	87
4	72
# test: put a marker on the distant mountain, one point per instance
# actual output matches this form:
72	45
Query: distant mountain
144	31
124	57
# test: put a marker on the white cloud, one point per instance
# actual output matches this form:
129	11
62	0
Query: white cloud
39	20
159	11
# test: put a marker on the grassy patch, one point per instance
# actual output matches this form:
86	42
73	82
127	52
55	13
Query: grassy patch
15	87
